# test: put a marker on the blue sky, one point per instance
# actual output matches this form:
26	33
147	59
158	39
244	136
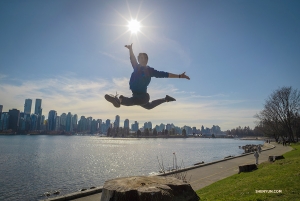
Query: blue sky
70	53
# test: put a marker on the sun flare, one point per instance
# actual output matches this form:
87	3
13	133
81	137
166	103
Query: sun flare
134	26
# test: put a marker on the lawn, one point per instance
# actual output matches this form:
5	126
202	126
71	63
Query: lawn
282	177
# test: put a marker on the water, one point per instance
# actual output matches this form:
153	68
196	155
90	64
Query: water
32	165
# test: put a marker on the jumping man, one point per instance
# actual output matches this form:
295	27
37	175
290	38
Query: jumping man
139	81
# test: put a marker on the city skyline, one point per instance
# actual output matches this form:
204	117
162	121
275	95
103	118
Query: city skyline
54	121
71	53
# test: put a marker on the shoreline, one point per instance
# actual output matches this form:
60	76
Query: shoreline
130	137
97	190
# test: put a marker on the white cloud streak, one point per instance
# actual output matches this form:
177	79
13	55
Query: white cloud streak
86	97
113	57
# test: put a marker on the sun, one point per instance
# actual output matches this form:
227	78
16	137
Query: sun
134	26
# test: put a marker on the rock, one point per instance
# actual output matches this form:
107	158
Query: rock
247	168
228	157
273	158
56	193
147	188
202	162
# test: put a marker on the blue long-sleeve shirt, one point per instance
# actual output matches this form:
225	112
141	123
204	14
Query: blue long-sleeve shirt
141	77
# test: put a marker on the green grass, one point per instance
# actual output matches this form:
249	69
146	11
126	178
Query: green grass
282	175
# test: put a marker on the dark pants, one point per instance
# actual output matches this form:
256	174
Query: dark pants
142	100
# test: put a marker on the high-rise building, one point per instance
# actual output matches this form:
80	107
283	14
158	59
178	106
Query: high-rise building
75	121
126	123
82	124
38	107
89	123
94	126
148	125
63	119
13	122
107	125
4	121
103	128
43	119
57	123
38	112
52	120
1	108
162	127
202	129
69	124
194	130
135	126
22	124
168	127
99	121
27	106
33	122
117	122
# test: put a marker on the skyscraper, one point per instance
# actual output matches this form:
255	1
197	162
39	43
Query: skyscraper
57	123
107	125
75	121
38	107
27	106
52	120
82	124
148	125
135	126
117	122
38	112
4	121
1	108
126	123
89	123
63	119
94	126
99	125
33	122
13	122
69	124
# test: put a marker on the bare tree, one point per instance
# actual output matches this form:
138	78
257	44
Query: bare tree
280	114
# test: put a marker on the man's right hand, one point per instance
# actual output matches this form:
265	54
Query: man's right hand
129	46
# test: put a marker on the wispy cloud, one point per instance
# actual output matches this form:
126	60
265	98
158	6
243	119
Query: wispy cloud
86	97
2	76
113	57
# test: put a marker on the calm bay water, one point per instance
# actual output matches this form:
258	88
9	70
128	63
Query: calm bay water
32	165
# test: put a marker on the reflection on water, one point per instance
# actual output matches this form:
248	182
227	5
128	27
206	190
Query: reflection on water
32	165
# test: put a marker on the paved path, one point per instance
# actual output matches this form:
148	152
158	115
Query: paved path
208	174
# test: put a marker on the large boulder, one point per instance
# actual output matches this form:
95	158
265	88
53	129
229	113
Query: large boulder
274	158
247	168
147	188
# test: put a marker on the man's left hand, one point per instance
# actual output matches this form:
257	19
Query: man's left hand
183	75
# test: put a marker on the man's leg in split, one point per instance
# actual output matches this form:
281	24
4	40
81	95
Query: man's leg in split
136	99
153	104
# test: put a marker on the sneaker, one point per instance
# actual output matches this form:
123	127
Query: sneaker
169	98
113	99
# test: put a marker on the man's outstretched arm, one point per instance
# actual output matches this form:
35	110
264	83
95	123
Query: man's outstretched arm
183	75
132	57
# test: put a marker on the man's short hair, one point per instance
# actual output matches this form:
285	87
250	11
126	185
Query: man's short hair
144	55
